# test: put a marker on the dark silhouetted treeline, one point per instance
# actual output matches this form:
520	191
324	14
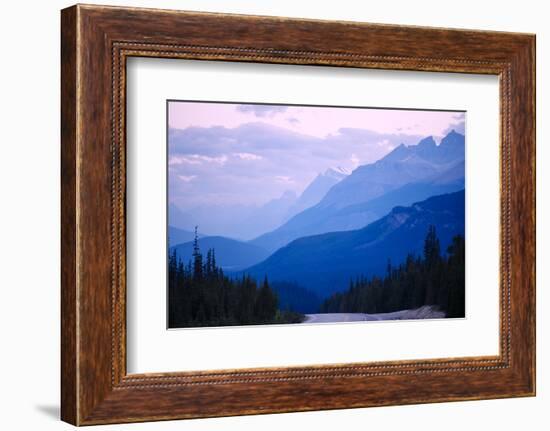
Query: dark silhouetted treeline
294	297
433	279
199	294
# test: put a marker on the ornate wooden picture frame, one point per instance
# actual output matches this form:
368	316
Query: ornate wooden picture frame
96	41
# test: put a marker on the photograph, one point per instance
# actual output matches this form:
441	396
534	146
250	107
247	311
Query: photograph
298	214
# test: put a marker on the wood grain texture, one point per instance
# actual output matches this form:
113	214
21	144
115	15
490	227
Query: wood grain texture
96	41
69	397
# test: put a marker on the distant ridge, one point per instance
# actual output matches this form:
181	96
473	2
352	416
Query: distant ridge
317	189
177	236
231	254
325	263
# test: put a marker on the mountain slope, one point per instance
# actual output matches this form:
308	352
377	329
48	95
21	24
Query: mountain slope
247	222
178	236
179	219
268	216
317	189
236	220
401	166
325	263
449	181
230	253
405	175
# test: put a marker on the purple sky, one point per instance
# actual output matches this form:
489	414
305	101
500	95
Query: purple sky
232	154
313	121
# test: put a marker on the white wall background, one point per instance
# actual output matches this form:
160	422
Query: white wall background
29	215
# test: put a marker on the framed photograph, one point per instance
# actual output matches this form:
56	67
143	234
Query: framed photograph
306	208
264	214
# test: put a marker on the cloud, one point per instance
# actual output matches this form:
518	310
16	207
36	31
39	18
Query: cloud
293	121
458	124
247	156
459	116
187	178
256	162
284	179
262	111
354	161
196	159
459	127
384	143
180	160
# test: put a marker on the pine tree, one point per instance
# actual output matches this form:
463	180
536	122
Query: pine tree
208	265
266	303
213	257
432	252
197	257
456	300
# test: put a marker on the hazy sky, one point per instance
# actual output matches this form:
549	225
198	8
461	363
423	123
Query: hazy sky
231	154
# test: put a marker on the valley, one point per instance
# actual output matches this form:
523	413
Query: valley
353	245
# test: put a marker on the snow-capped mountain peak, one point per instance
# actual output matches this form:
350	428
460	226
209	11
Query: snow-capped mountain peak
338	172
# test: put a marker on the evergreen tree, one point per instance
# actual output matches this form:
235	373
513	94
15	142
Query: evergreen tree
455	300
213	262
197	257
266	303
431	247
208	266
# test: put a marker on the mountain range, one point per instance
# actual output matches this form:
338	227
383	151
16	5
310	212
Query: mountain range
245	222
342	225
406	174
325	263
